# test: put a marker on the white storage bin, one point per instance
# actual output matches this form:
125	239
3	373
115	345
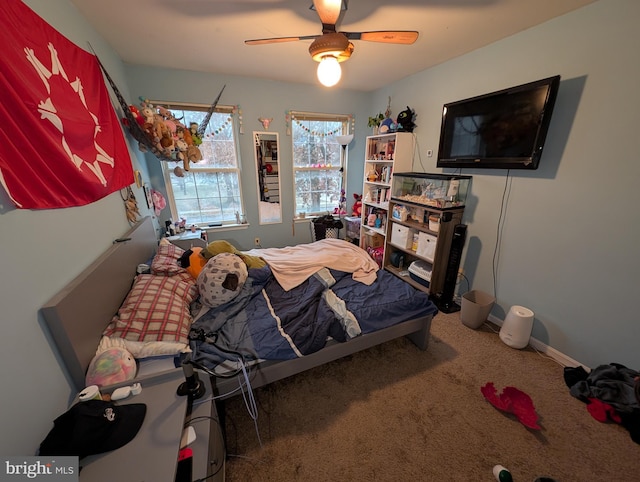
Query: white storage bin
426	245
401	236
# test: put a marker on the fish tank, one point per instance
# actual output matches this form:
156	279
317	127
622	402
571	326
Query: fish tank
439	191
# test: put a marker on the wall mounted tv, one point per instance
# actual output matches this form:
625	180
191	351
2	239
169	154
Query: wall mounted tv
501	130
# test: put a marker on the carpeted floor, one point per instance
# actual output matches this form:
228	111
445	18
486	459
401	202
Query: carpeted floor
395	413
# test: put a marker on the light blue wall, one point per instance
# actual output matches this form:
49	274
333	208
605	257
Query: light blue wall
569	228
569	242
41	252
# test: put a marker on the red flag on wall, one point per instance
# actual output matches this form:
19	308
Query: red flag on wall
61	143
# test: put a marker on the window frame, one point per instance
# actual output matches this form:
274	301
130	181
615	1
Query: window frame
347	121
167	167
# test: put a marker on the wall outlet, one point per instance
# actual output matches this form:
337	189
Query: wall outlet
257	241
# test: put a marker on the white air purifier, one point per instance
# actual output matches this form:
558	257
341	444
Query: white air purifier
517	326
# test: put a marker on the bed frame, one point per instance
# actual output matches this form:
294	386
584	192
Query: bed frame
79	313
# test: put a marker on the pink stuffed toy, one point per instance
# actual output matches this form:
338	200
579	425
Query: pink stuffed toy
357	205
110	366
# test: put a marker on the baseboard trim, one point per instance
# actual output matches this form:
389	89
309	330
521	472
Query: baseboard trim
551	352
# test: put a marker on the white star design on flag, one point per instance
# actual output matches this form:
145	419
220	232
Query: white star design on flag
48	111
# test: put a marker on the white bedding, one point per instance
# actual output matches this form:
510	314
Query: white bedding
294	264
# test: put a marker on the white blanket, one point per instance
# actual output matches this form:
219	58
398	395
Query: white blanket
294	264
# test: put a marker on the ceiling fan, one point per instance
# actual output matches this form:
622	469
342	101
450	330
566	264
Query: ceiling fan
332	47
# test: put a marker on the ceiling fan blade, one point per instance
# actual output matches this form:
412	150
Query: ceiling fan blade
385	36
277	40
328	11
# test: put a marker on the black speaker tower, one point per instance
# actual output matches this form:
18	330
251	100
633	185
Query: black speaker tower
444	301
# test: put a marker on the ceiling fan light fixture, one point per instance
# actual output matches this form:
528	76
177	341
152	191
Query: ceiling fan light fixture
329	71
334	44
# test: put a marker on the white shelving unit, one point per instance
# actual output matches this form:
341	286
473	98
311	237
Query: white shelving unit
385	154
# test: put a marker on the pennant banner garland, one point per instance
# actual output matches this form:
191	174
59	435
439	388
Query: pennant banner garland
61	143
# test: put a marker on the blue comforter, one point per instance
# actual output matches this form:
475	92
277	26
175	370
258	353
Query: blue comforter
265	321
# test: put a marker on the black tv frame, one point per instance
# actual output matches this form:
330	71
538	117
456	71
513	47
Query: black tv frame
531	161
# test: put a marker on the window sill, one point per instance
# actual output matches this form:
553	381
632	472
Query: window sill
225	227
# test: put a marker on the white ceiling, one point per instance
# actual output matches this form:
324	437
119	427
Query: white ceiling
208	35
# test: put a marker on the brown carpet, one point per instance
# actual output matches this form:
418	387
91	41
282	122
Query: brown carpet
395	413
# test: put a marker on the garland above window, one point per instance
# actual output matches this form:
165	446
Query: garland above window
222	127
289	116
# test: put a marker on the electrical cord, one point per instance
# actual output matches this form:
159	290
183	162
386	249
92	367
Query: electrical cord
247	395
200	418
543	355
462	275
496	251
211	338
250	403
417	148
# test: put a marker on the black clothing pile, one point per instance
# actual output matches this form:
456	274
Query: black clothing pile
614	386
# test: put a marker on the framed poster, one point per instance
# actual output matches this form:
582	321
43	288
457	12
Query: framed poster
147	195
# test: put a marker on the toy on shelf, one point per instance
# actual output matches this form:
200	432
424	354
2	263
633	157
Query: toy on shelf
357	205
406	120
341	210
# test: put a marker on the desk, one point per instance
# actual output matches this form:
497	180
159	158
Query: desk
153	454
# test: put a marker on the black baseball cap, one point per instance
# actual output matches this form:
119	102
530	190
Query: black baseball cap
93	427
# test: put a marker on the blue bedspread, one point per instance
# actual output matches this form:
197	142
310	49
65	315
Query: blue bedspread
265	321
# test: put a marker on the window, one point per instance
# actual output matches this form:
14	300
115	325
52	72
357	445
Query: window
209	193
317	161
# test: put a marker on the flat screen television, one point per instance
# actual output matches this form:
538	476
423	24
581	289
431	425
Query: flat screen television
501	130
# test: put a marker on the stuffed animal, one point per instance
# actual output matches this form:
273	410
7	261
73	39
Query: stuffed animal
221	279
193	261
387	126
181	150
193	129
136	115
147	114
340	210
192	154
406	120
112	365
357	205
221	246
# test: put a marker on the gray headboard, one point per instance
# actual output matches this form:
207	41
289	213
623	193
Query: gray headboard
79	313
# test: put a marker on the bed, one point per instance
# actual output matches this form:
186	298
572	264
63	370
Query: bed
78	315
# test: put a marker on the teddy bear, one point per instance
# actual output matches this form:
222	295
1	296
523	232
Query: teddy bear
193	154
147	114
181	150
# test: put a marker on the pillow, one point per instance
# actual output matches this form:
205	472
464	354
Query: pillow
155	310
165	262
221	279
